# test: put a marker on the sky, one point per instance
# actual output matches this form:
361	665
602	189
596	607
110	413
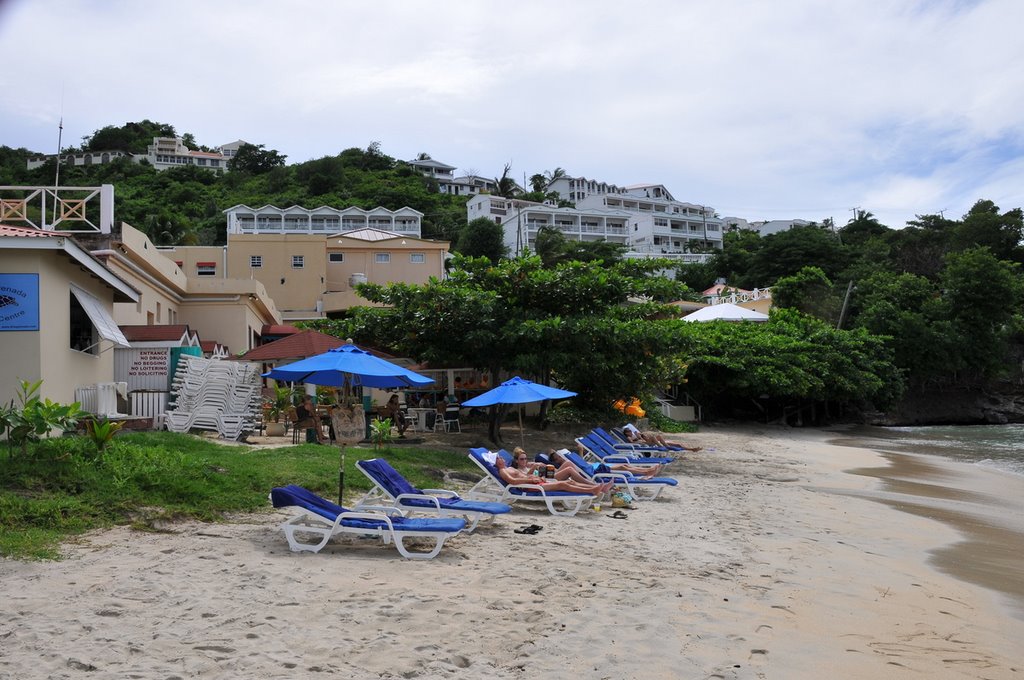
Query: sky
788	109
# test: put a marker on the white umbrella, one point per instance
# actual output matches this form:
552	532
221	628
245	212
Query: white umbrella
725	312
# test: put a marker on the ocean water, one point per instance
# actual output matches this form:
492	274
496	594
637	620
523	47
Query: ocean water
996	446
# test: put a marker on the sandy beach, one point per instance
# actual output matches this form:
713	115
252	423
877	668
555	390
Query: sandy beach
779	555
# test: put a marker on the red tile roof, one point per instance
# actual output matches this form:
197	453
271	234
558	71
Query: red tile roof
211	345
297	346
9	230
142	333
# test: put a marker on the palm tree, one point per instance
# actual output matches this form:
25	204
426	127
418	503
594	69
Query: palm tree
557	173
505	186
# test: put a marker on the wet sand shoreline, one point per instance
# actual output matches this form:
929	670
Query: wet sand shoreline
985	506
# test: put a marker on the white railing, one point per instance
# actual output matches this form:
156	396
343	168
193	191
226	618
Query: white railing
741	296
67	209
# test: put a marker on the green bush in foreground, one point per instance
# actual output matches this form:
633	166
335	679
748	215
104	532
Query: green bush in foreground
63	487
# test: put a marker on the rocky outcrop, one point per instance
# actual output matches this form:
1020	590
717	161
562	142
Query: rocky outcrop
994	405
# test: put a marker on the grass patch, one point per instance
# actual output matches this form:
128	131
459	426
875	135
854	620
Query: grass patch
63	488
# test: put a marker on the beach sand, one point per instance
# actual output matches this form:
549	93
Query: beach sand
770	560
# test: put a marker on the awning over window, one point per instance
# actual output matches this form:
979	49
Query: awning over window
100	317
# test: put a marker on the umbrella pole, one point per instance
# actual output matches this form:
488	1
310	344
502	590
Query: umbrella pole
522	442
341	477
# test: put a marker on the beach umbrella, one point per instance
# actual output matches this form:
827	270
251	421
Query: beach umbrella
348	366
725	312
518	391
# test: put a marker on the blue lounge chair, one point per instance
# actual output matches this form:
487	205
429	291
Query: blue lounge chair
493	487
602	453
638	487
323	518
617	440
391	488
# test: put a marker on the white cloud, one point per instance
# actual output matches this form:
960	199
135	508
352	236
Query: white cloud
794	108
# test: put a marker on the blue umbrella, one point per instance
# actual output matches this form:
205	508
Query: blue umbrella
348	365
518	391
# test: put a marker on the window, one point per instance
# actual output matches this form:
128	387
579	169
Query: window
83	333
255	261
298	261
382	258
91	322
206	268
417	258
336	257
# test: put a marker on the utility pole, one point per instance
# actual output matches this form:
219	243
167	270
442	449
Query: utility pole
704	217
846	300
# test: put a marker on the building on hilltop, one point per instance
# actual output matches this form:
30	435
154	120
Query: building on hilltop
323	220
574	189
646	219
163	153
447	183
769	227
83	158
521	220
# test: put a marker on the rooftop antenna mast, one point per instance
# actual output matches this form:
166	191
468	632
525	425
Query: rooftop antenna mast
56	175
60	135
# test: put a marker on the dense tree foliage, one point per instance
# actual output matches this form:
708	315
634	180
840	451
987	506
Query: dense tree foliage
194	199
255	160
553	248
578	323
483	238
130	137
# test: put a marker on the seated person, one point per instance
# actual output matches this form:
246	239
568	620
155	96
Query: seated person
514	476
393	410
564	469
635	436
640	471
306	417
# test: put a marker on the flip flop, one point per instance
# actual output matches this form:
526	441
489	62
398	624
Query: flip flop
618	514
529	531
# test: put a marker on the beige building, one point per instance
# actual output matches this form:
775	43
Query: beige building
312	276
55	314
229	311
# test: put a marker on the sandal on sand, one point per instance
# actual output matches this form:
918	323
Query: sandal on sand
530	530
618	514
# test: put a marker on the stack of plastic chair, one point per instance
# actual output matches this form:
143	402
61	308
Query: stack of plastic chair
220	396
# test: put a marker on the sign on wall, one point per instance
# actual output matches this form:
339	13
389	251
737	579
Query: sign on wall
19	302
143	368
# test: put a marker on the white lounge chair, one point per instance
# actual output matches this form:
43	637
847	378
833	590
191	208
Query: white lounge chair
641	488
325	519
492	487
390	488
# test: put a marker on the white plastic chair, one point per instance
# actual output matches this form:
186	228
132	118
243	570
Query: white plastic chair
451	419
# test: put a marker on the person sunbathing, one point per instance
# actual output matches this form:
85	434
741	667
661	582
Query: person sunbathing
513	476
640	471
565	470
635	436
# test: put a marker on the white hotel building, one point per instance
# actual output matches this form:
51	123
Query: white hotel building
323	220
645	218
